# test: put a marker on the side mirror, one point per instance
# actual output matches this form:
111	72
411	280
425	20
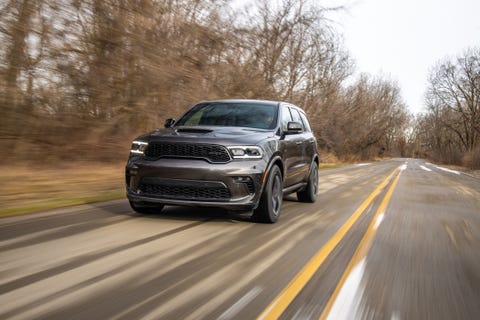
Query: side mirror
169	123
294	127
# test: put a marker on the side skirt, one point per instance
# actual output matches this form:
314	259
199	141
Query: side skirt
295	187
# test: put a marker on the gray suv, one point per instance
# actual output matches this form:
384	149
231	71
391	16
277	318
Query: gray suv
234	154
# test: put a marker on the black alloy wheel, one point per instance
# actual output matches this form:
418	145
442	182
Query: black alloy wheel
270	205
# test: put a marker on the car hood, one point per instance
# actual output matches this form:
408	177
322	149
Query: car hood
209	135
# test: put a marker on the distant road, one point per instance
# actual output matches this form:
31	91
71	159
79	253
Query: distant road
397	239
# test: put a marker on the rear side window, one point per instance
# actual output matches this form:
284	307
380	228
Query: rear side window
296	117
306	125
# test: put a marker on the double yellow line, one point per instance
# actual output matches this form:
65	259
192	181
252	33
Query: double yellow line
275	309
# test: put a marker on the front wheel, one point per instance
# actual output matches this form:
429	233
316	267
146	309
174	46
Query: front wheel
270	204
309	194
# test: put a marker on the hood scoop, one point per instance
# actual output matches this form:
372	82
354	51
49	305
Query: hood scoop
193	130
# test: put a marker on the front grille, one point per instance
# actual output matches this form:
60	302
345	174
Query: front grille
186	193
210	152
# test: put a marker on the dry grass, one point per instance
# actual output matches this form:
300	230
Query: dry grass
27	189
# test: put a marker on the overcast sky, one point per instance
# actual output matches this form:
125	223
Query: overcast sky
404	39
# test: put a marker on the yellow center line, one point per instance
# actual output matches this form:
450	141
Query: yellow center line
362	249
286	296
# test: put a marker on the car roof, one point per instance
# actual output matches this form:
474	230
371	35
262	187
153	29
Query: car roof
267	102
244	101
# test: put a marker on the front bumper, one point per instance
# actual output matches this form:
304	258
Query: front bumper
236	185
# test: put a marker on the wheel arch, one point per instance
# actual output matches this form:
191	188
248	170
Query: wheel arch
276	160
316	159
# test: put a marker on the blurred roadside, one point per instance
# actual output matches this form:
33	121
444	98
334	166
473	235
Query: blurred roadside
80	79
26	189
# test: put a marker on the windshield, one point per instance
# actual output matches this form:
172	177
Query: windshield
243	114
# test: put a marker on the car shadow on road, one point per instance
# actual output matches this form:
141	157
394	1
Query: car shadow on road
182	213
198	214
175	213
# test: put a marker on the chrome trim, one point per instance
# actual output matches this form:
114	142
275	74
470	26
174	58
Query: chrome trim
140	142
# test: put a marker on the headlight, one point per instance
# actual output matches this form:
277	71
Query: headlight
138	147
246	152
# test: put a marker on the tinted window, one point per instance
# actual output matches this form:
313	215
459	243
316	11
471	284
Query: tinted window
260	116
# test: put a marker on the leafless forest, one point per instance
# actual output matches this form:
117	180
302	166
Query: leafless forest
80	78
450	131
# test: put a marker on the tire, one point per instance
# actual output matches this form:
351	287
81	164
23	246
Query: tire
309	194
270	205
146	207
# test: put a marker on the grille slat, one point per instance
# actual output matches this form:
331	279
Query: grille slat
186	192
251	187
210	152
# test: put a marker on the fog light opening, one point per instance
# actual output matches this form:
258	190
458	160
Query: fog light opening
242	179
247	181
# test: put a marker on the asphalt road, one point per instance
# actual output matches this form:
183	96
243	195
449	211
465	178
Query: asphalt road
397	239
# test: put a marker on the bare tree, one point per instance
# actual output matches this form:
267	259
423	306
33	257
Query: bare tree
369	119
100	72
453	120
17	78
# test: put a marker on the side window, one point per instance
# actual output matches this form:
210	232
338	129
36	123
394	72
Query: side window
306	125
286	118
296	116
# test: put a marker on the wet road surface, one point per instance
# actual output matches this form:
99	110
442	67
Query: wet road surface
397	239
